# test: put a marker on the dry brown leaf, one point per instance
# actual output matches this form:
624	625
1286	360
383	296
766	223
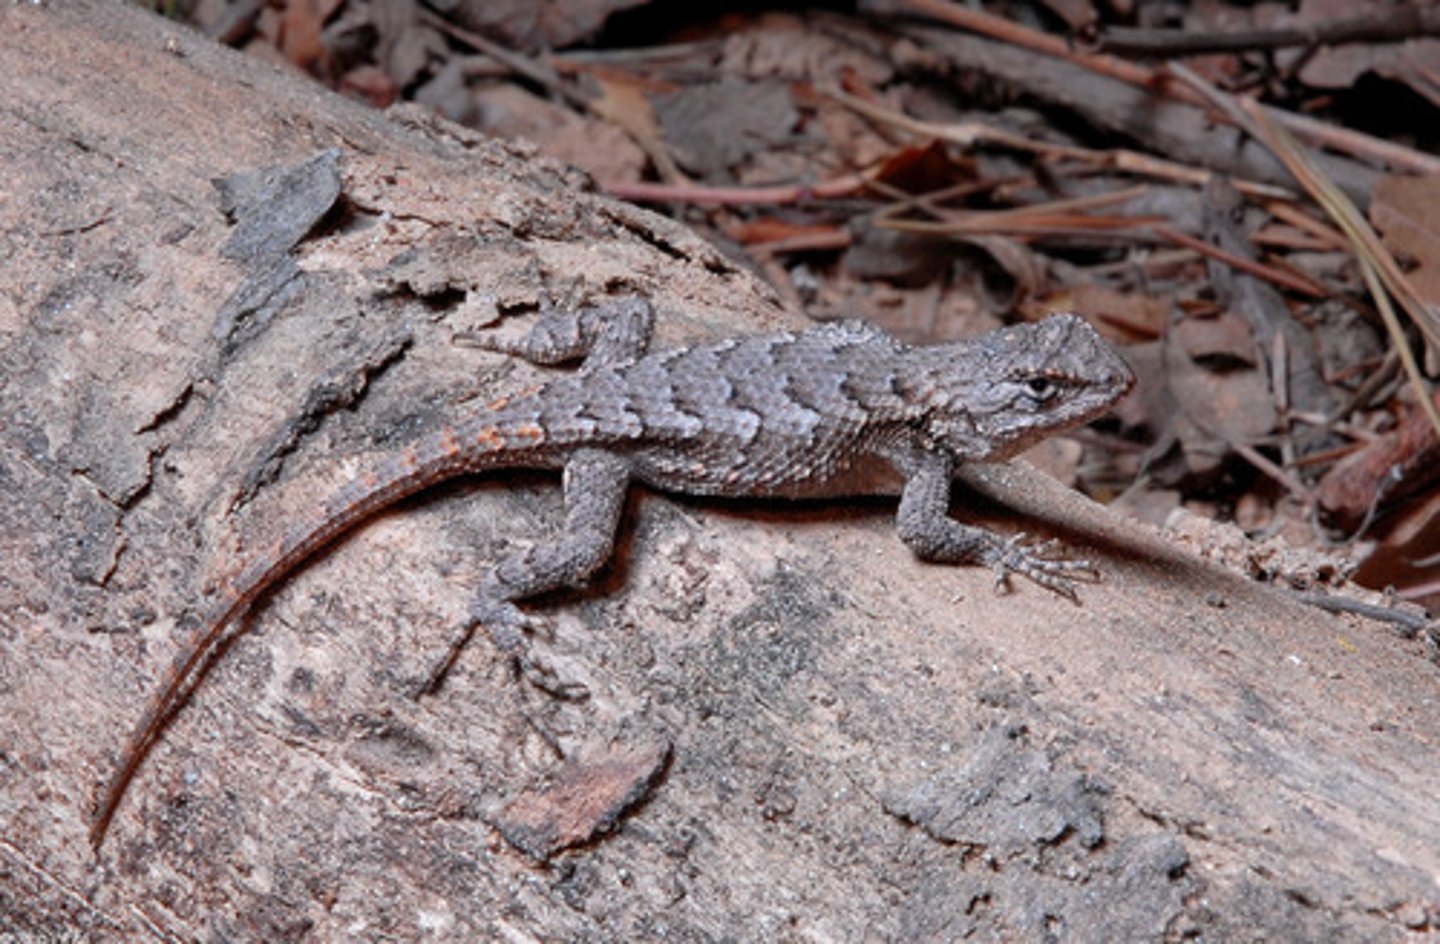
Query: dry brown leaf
539	24
1406	211
301	24
623	102
1414	63
1402	460
712	128
1121	316
1405	560
1226	338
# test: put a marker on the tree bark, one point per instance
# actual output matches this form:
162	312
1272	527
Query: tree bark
794	730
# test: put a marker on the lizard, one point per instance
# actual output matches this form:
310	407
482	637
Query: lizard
843	408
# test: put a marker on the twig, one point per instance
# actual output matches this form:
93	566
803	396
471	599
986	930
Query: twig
1394	25
1284	278
972	133
1316	132
544	74
1287	212
536	71
1397	24
643	192
1408	625
1290	483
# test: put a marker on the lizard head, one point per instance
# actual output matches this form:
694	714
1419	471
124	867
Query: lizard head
994	396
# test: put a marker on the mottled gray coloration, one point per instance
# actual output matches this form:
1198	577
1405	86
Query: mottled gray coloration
840	409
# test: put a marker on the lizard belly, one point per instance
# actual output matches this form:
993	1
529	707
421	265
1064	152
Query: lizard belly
737	469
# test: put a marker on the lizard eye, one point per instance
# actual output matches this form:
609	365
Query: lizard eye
1041	388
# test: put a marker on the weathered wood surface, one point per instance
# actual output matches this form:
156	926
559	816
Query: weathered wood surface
861	747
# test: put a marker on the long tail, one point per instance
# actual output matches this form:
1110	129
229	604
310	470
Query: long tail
471	447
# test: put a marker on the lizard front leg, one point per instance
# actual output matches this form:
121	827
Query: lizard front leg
925	526
595	482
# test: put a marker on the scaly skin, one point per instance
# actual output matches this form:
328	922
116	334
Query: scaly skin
840	409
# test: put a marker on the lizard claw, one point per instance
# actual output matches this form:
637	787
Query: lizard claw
541	674
508	627
510	630
507	624
1042	563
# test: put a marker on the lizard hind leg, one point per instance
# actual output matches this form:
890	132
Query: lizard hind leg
595	482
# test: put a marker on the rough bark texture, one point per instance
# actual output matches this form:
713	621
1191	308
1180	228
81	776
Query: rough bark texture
795	731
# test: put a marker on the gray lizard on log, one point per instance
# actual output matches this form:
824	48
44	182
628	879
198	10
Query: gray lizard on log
840	409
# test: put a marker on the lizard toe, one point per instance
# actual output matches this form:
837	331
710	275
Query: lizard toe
1041	563
542	674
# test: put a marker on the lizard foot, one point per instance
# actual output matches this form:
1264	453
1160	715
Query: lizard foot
1042	563
540	673
508	628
